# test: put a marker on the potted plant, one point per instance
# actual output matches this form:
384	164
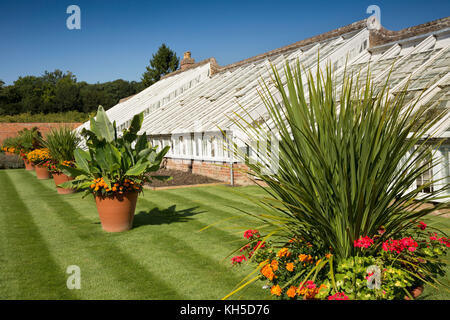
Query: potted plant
40	158
113	169
28	140
343	216
61	143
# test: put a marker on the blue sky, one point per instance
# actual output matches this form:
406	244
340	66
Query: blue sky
118	38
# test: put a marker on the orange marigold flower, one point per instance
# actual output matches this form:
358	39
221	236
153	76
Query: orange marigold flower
276	290
274	265
291	292
284	252
328	255
305	257
267	271
290	266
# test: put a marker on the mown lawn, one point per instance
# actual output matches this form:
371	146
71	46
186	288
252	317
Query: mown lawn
163	257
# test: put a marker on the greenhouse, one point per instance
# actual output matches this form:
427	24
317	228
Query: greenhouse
190	108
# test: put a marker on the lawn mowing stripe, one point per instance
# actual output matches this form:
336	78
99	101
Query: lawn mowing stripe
227	199
189	260
34	267
194	226
142	281
243	220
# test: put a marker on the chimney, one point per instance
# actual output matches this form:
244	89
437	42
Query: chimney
187	61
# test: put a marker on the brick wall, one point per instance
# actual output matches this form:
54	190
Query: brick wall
217	170
11	129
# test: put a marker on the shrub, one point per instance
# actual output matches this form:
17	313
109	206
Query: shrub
111	164
347	160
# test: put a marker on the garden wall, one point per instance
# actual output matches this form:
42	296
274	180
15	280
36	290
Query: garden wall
213	169
11	129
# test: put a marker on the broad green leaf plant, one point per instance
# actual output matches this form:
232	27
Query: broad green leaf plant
113	164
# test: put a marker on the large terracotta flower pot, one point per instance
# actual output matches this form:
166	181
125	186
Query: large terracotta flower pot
61	178
28	165
117	212
42	172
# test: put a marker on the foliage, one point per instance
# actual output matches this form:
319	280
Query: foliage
59	92
299	270
112	162
163	62
68	117
347	163
25	141
10	144
39	156
29	140
61	142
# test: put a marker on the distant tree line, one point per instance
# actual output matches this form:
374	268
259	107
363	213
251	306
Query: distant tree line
56	91
59	92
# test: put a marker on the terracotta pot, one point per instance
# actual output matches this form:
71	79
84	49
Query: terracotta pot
415	292
117	212
28	165
42	172
61	178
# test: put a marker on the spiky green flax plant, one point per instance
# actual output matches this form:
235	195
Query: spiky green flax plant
61	143
347	159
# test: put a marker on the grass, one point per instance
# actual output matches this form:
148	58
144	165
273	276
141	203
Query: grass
163	257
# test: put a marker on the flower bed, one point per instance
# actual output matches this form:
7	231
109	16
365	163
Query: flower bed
381	269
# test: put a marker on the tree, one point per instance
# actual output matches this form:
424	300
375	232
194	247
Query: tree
163	62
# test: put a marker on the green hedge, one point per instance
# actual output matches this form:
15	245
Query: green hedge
69	116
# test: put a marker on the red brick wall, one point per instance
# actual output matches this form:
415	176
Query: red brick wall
216	170
11	129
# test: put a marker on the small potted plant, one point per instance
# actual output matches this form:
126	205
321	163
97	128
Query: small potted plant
28	140
113	169
40	158
61	143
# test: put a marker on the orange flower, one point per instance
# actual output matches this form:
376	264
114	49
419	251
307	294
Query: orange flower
274	265
301	290
276	290
328	255
318	261
284	252
290	266
267	272
291	292
305	258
